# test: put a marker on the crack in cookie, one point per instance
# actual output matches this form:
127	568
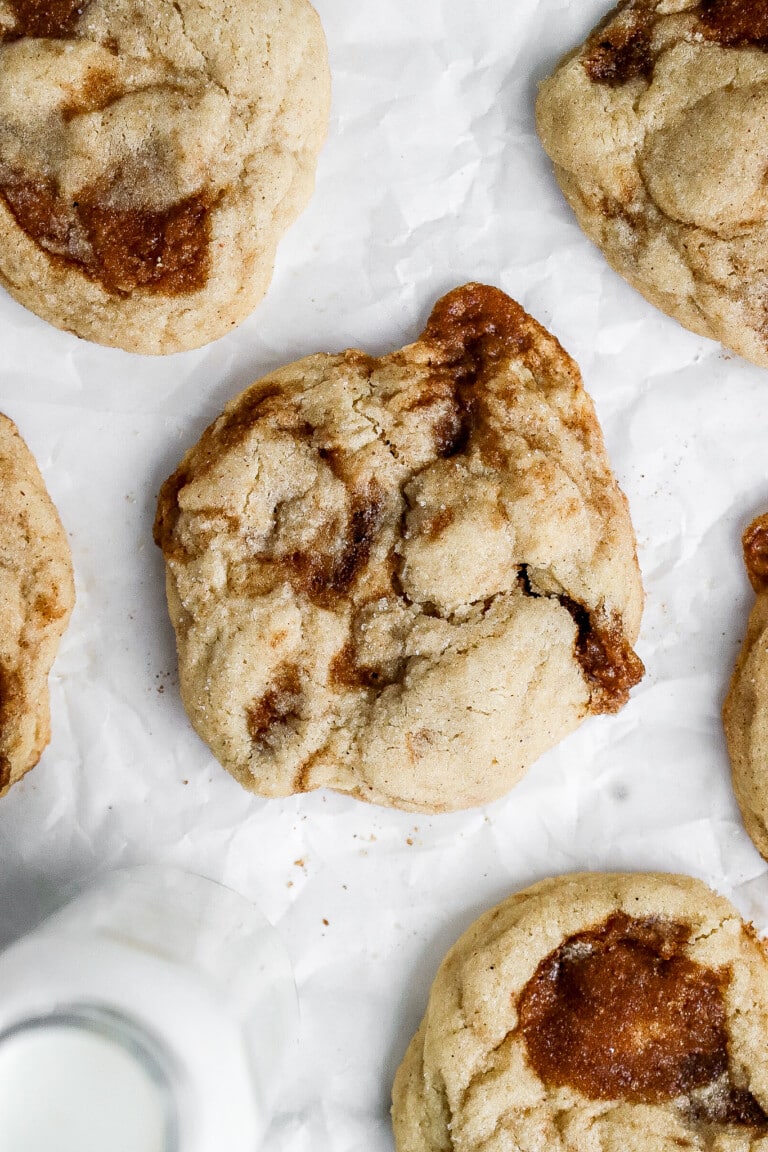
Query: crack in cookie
432	543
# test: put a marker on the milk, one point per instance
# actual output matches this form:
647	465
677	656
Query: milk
65	1088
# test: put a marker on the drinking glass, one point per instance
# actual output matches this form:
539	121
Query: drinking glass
152	1014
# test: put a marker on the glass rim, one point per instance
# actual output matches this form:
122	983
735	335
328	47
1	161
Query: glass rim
110	1024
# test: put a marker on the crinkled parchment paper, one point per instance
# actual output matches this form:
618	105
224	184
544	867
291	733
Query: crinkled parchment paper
432	175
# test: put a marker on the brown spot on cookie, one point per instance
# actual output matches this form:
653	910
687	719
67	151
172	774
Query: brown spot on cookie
722	1103
125	249
97	91
755	544
134	250
472	330
8	691
49	607
50	19
346	672
475	327
736	22
330	569
620	1012
607	659
620	49
267	716
168	513
435	525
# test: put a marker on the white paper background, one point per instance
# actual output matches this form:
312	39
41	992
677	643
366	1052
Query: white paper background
432	175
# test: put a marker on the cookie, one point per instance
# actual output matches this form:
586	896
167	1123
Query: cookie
403	578
658	128
594	1013
36	599
152	153
745	713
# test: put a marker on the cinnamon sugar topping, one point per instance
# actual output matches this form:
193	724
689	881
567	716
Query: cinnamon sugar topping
755	543
125	250
736	22
620	1012
620	50
54	19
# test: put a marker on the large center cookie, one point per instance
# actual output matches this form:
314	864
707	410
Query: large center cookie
36	599
152	153
594	1013
745	713
403	578
658	127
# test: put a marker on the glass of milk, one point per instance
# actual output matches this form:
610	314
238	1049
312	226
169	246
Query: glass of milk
152	1014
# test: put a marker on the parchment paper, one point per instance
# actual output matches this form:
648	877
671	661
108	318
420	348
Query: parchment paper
432	175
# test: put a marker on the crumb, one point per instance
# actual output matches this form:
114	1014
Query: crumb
299	863
409	840
326	922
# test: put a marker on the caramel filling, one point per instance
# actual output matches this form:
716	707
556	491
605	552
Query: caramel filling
50	19
620	1012
736	22
269	714
125	250
755	543
620	50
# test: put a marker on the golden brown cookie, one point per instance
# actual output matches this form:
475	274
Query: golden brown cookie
594	1013
745	713
36	599
152	153
658	127
403	578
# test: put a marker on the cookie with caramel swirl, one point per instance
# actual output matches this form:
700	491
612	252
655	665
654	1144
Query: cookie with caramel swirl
403	578
152	153
658	128
605	1012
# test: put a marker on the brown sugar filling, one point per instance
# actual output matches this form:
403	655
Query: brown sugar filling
8	689
736	22
609	663
620	50
620	1012
125	250
606	657
50	19
755	544
270	712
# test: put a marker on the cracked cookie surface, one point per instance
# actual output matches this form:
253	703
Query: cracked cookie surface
152	153
658	128
745	713
403	578
36	599
594	1013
